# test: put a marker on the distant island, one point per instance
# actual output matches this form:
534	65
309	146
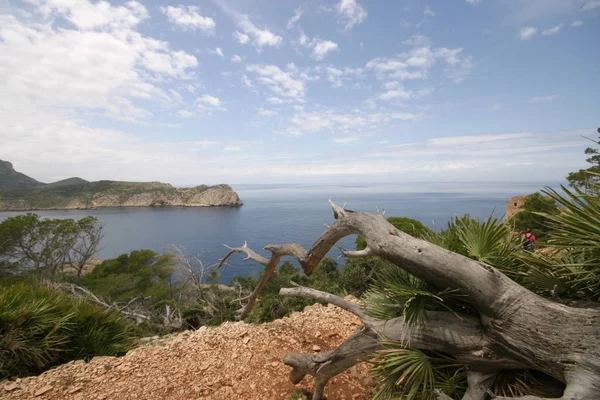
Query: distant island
19	192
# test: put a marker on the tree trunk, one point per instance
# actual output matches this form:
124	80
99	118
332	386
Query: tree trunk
515	329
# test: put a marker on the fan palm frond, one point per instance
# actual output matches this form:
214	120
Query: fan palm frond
397	293
413	374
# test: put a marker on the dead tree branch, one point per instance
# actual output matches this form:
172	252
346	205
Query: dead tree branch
562	345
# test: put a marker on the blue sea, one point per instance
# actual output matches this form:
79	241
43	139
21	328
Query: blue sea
274	214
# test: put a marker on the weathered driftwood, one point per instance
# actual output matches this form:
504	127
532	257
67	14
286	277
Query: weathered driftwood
515	329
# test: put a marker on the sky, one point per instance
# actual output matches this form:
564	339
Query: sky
264	91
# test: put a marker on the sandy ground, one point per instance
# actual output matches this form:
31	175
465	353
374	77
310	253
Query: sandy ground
232	361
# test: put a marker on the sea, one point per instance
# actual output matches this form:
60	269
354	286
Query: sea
286	213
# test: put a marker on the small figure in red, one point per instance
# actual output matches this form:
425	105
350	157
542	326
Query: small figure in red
529	239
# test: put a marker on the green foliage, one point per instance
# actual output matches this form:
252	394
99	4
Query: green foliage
587	179
490	241
413	374
407	225
11	179
29	244
40	328
356	275
60	196
141	273
271	305
397	293
530	217
573	269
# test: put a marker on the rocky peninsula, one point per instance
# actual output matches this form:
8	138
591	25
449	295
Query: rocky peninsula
21	193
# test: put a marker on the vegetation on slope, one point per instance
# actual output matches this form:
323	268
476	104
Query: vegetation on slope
11	179
41	327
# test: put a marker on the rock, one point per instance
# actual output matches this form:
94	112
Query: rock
10	387
124	194
43	390
75	389
316	348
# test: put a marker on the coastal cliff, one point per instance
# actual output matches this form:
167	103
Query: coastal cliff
76	193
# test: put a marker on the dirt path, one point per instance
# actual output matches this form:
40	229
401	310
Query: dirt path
233	361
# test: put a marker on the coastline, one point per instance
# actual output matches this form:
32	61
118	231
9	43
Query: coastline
120	206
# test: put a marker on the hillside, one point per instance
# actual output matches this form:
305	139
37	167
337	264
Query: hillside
234	361
25	193
11	179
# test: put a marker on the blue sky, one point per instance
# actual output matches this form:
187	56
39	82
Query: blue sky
298	91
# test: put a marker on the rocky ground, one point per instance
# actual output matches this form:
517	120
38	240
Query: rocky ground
232	361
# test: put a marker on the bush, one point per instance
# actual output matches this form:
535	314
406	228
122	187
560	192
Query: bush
357	274
141	273
271	305
41	328
529	217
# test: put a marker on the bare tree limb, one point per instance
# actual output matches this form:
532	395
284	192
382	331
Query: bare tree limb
366	252
302	291
501	336
250	255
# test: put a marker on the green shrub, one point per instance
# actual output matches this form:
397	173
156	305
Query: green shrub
529	217
357	274
140	273
271	305
41	328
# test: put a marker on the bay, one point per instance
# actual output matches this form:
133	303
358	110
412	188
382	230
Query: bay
276	214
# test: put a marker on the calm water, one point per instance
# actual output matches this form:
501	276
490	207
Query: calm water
274	214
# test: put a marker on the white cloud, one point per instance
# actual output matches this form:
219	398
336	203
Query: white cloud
294	20
219	52
396	93
185	114
416	63
428	12
337	76
277	100
346	139
542	99
527	33
322	48
282	83
357	122
241	37
86	15
591	5
210	100
247	82
552	31
232	148
45	66
473	2
496	107
251	34
350	13
210	103
189	18
418	40
577	24
236	59
266	113
475	153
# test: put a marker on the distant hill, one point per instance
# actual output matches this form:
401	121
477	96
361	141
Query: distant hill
11	179
20	192
67	182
